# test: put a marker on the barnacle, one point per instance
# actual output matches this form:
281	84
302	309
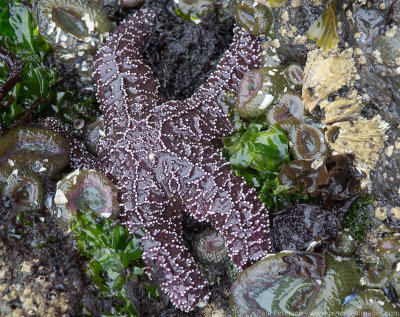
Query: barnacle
307	142
287	113
86	190
363	138
341	108
256	20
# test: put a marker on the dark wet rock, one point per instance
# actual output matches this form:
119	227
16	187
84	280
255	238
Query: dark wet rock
375	39
386	181
181	53
375	33
292	22
40	272
295	227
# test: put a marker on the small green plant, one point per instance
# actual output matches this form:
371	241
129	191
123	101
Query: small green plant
19	35
257	153
359	218
114	257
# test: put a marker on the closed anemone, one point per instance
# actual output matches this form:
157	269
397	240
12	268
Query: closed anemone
70	22
307	142
42	151
256	20
209	248
259	89
247	96
287	113
193	9
370	302
23	188
295	75
86	190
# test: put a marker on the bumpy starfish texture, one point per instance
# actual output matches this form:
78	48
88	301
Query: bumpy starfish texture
165	158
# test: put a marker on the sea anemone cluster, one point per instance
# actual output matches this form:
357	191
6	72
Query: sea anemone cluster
74	29
28	155
272	93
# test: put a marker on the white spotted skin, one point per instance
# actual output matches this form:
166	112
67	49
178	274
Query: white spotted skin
164	158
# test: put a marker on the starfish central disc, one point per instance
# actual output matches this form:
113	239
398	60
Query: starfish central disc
164	159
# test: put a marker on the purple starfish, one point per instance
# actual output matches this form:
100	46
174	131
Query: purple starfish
164	158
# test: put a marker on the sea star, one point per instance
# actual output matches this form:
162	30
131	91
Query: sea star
164	158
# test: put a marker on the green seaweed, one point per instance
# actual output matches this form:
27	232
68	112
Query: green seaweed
324	30
19	35
115	257
359	218
264	151
257	153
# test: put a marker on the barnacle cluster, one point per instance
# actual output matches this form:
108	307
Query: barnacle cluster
329	93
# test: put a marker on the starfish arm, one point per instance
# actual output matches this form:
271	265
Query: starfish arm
171	264
201	116
79	157
204	184
242	55
168	260
122	79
